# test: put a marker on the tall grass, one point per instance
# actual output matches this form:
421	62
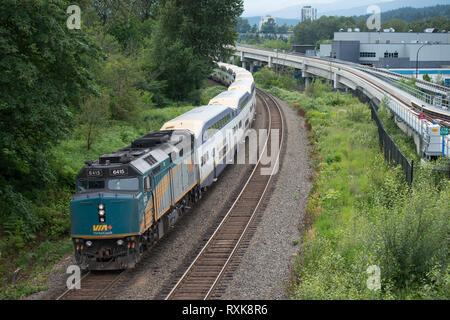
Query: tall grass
363	212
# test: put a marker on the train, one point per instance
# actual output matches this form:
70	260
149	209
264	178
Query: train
126	201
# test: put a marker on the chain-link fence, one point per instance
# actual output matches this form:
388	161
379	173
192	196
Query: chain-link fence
392	153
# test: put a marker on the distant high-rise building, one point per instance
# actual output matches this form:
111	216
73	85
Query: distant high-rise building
308	13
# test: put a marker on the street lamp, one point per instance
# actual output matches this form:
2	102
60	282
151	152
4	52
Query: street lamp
417	59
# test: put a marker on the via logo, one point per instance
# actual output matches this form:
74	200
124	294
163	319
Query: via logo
100	227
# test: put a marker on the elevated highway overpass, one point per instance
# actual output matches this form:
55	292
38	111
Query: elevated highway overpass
405	106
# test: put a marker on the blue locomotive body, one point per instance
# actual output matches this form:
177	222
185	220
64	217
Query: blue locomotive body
127	200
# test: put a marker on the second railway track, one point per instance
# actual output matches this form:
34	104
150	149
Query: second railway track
205	272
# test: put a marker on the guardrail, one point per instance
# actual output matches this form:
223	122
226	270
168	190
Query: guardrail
437	100
431	142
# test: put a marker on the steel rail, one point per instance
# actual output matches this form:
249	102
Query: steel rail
210	288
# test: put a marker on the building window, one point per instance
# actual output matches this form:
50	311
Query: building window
391	54
367	55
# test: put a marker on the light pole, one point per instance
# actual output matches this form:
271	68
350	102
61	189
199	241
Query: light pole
417	60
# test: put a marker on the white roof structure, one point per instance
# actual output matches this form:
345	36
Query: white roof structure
243	76
229	98
195	119
246	85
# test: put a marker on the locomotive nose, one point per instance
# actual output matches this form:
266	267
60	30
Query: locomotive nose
104	216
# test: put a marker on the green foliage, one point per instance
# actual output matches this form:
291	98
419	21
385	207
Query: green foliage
402	20
243	26
43	73
409	14
93	114
269	27
310	32
67	96
278	44
120	77
186	39
266	78
364	213
208	93
317	88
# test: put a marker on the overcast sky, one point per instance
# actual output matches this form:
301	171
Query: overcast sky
258	7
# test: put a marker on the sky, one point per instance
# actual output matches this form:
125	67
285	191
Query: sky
258	7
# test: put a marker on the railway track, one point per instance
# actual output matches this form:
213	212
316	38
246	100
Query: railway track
205	272
94	286
208	268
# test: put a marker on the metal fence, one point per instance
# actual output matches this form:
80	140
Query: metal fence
392	153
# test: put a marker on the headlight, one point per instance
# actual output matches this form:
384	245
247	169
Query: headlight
101	207
88	243
120	242
101	212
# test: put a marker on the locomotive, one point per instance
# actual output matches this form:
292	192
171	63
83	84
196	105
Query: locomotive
127	200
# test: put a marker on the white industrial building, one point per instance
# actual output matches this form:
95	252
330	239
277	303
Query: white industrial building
403	51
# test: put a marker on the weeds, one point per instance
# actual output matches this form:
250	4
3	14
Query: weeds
363	212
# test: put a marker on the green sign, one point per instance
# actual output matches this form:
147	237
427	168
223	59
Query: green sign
444	131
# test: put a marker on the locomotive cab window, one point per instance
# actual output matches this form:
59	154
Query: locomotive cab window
86	185
128	184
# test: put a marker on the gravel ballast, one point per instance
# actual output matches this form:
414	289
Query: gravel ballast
264	269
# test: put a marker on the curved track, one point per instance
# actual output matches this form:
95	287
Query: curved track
205	272
207	269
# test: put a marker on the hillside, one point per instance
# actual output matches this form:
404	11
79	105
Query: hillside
348	8
410	14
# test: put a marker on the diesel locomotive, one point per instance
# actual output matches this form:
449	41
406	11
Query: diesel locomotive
127	200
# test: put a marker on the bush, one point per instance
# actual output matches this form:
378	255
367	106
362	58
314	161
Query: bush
365	213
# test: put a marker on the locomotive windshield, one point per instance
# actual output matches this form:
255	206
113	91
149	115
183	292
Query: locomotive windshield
85	185
129	184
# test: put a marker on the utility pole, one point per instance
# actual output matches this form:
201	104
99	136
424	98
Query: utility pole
417	60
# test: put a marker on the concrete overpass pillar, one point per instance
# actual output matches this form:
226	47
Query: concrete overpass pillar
244	64
307	82
270	62
308	77
252	65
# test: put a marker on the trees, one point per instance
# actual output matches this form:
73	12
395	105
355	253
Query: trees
269	27
44	75
187	38
93	115
243	26
309	32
